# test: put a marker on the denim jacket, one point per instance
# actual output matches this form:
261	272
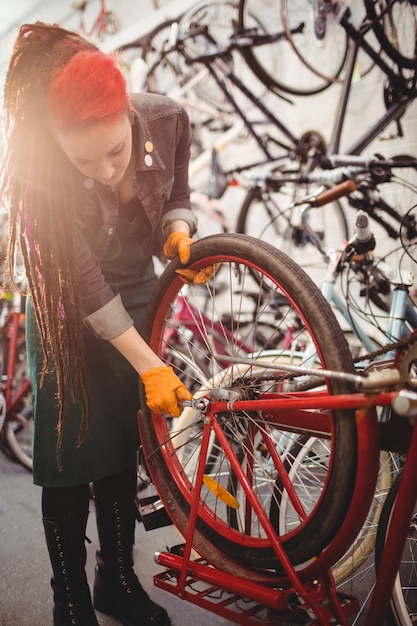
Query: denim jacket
162	148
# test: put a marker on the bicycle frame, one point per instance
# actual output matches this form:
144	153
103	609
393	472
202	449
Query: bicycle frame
314	583
13	400
98	23
218	66
394	112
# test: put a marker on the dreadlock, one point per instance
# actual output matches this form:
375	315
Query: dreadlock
38	189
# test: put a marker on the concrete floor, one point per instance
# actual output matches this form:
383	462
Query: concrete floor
25	572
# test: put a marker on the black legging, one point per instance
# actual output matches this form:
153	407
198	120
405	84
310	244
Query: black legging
57	501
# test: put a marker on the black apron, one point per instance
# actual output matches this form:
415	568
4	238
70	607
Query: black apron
112	439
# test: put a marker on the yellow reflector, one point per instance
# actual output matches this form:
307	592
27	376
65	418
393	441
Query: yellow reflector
220	492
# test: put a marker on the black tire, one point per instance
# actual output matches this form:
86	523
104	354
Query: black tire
403	609
396	29
277	63
18	425
240	256
271	216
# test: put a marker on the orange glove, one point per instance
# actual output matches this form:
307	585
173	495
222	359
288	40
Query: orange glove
165	393
198	277
178	243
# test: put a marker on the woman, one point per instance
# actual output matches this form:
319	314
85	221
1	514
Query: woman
96	183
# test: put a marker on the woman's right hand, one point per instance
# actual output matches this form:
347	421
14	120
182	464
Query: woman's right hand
165	393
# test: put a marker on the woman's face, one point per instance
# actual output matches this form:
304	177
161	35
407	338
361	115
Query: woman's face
99	151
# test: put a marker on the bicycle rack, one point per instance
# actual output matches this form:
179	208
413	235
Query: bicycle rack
249	603
244	601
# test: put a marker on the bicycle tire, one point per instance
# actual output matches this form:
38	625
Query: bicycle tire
268	212
18	425
220	19
403	607
109	26
240	256
396	29
324	55
307	460
277	64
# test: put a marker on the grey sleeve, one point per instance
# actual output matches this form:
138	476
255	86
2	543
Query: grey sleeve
180	214
110	321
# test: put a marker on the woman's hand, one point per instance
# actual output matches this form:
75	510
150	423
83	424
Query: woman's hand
165	393
180	243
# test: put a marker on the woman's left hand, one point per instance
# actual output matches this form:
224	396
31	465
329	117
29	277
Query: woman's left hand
180	243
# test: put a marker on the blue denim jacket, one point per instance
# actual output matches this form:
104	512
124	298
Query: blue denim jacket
163	148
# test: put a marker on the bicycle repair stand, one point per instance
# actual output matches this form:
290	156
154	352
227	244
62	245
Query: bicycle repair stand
248	603
303	602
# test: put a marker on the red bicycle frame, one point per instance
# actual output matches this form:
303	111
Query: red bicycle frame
314	584
13	398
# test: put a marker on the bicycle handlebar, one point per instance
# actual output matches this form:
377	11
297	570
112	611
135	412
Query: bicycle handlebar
242	39
341	167
330	195
340	160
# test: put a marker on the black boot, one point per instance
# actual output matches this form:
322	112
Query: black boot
65	538
117	590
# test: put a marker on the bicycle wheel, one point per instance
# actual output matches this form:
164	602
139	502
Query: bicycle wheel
395	26
307	461
279	63
220	19
403	611
271	216
225	315
18	425
166	67
109	26
322	43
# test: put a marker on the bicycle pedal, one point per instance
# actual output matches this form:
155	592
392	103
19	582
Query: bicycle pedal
153	513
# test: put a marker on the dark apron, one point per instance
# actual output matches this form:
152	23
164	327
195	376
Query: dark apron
112	439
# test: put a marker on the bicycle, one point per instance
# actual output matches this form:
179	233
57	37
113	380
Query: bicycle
319	36
236	434
105	24
300	155
301	455
196	44
247	409
15	390
271	211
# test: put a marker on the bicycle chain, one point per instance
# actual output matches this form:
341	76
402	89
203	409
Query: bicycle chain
408	341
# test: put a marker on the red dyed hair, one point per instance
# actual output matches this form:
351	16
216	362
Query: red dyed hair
89	89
